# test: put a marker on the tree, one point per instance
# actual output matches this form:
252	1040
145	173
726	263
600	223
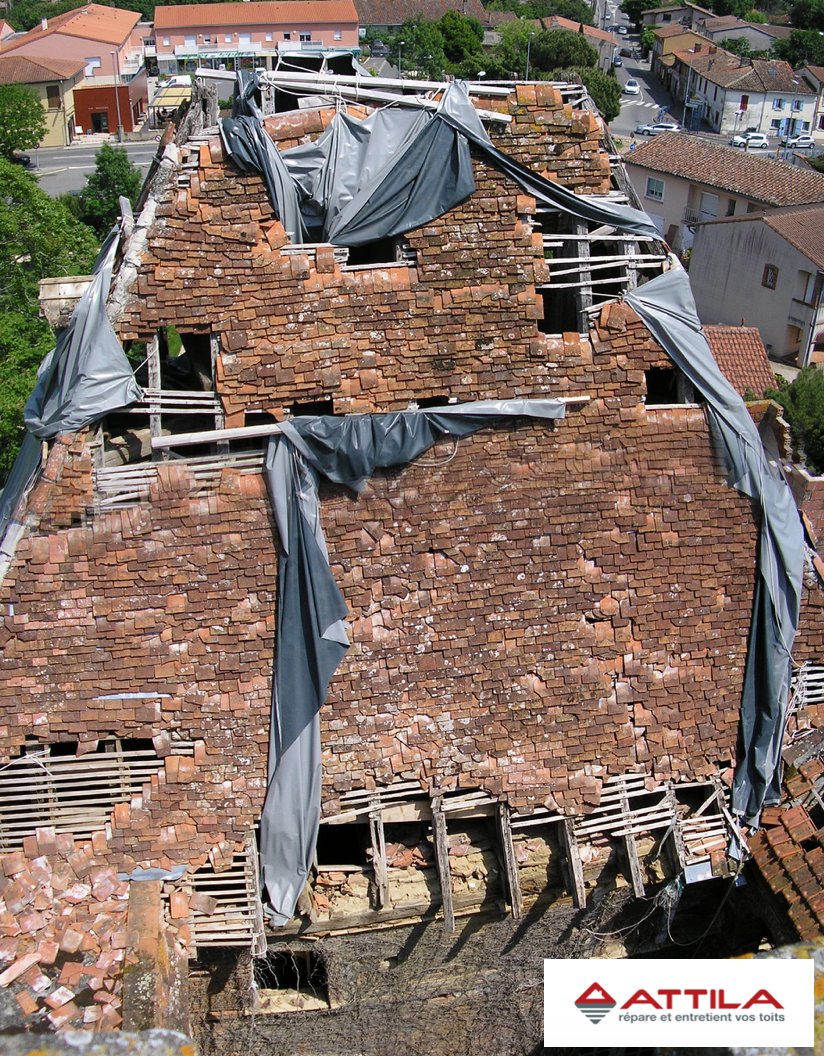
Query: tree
739	46
808	14
647	40
113	176
803	403
421	51
803	47
605	91
634	10
555	48
38	238
22	118
462	37
756	16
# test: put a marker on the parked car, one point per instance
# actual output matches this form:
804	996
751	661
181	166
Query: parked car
21	159
632	87
802	142
750	139
622	31
617	60
655	129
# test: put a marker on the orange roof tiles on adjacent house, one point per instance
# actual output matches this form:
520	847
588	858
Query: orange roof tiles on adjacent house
730	169
740	353
256	12
108	25
556	22
20	69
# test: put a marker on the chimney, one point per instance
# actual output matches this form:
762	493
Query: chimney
44	24
697	48
713	49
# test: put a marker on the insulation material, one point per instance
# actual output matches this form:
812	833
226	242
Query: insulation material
311	633
668	310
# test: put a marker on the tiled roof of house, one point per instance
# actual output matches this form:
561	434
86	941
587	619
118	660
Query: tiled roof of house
729	169
676	30
676	7
713	25
396	12
257	12
556	22
814	73
106	25
22	69
802	227
740	353
727	70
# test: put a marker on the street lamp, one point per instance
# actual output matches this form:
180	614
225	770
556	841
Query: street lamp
400	53
116	71
528	46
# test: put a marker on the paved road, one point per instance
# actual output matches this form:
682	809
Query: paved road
66	168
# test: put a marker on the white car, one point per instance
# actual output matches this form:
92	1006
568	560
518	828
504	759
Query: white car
655	129
750	139
802	142
622	31
632	87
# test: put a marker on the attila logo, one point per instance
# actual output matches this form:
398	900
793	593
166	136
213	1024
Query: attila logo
595	1003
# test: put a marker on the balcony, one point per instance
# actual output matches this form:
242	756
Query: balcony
219	49
697	216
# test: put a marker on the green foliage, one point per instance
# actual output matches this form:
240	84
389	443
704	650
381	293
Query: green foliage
647	41
462	37
28	13
113	175
604	90
803	403
554	48
756	16
577	10
808	14
38	238
803	47
739	46
634	10
422	49
22	118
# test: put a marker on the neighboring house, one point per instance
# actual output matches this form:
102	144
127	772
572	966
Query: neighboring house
687	15
768	269
740	353
666	41
682	180
814	76
115	91
731	94
55	81
240	36
387	16
604	43
729	27
6	30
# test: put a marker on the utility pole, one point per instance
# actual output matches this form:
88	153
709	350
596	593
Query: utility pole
400	54
116	72
528	46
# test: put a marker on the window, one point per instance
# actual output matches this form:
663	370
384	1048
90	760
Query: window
715	94
190	42
778	104
338	35
92	64
305	37
770	276
287	36
805	284
166	42
53	96
227	38
775	124
731	207
667	385
207	40
798	104
745	102
655	189
245	40
268	36
805	126
668	18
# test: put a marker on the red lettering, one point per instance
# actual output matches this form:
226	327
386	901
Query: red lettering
641	997
767	999
695	995
712	999
668	994
723	1004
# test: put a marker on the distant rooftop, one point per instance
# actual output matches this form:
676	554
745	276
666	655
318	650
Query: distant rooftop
740	353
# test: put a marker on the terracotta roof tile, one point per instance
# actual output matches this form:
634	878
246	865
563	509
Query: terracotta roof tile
729	169
671	31
727	70
740	353
108	25
255	12
22	69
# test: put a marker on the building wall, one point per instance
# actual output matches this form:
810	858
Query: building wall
725	294
60	120
62	46
102	100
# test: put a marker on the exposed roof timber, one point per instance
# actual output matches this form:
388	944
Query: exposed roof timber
379	82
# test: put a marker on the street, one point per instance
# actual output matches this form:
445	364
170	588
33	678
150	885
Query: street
61	169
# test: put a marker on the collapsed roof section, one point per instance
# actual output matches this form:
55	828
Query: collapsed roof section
216	263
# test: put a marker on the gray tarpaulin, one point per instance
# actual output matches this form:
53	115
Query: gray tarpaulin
362	181
311	633
667	308
84	377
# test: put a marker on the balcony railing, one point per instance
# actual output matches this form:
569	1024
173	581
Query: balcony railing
696	216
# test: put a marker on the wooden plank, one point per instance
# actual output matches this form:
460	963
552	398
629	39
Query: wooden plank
513	880
631	848
442	862
576	868
379	859
220	419
153	359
